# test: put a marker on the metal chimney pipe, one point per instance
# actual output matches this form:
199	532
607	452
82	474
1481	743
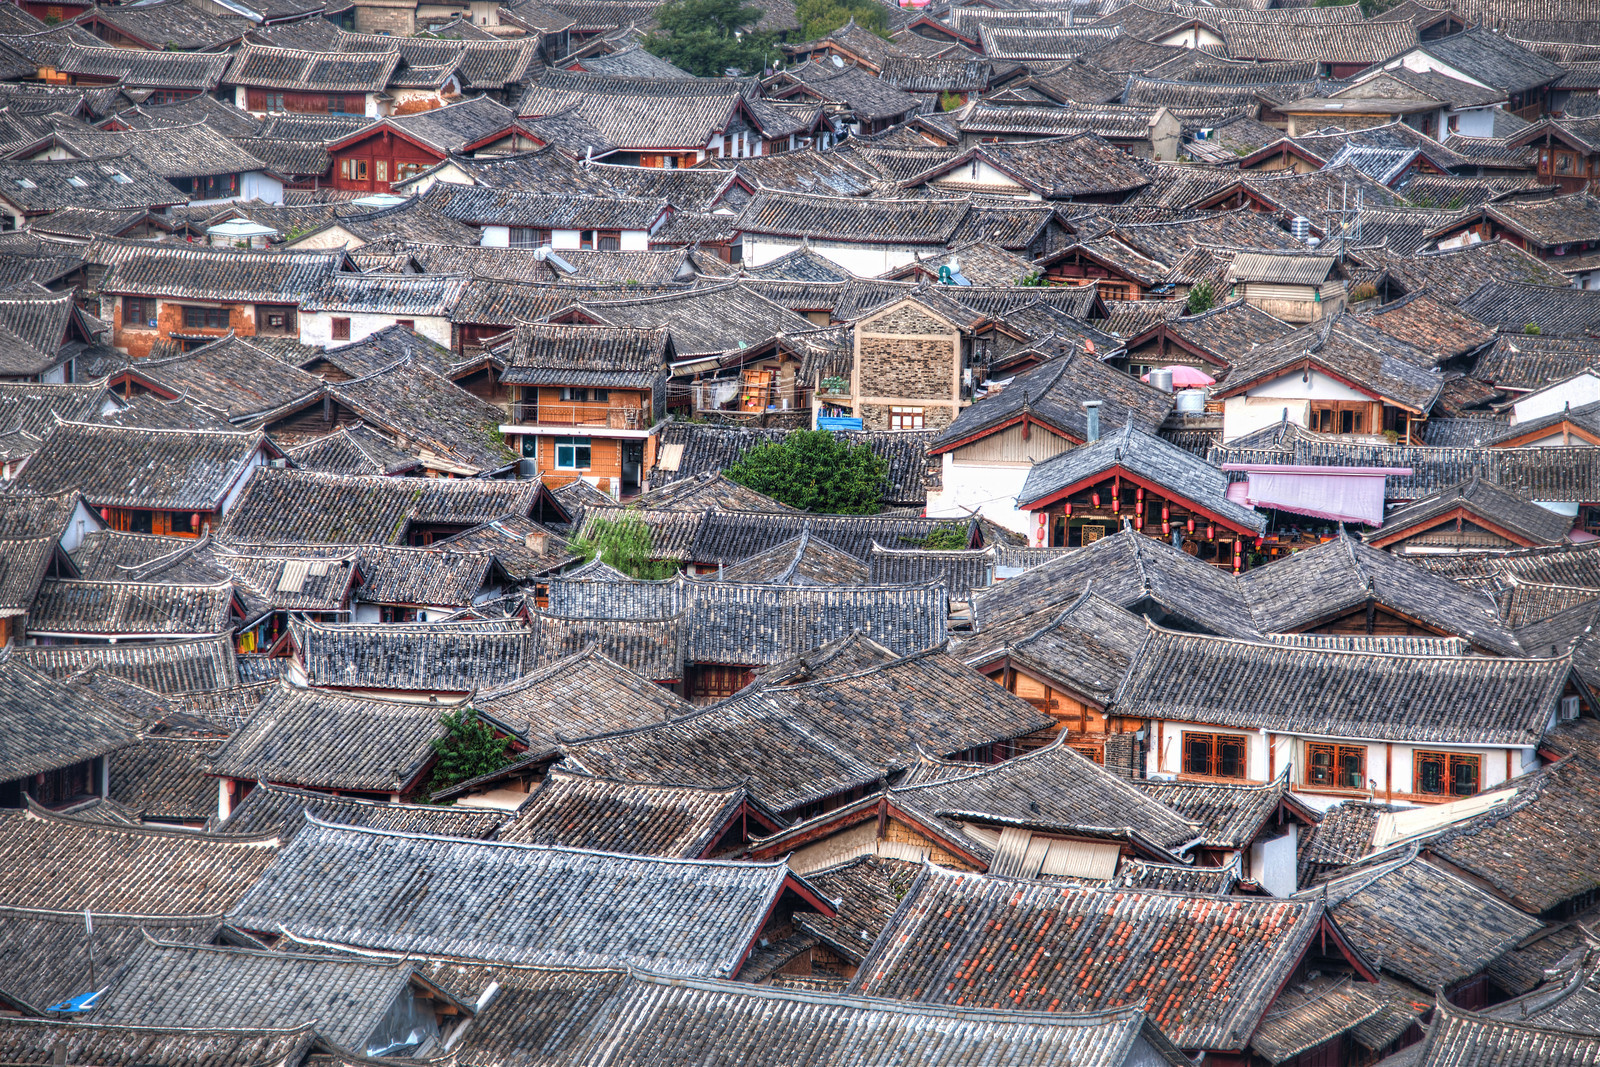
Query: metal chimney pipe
1091	408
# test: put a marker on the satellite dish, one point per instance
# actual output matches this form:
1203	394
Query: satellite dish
838	61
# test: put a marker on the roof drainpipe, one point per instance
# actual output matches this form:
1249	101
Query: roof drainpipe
1091	408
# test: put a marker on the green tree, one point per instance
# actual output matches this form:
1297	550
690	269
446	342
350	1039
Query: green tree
947	536
469	748
707	37
1202	297
624	544
1368	7
815	471
818	18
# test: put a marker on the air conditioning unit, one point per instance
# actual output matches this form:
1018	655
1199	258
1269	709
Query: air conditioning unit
1569	708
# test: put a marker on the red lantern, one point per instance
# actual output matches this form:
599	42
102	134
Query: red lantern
1138	521
1191	524
1211	532
105	514
194	522
1069	509
1138	494
1163	511
1166	528
1094	498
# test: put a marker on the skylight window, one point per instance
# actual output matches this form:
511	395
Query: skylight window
73	179
23	183
121	178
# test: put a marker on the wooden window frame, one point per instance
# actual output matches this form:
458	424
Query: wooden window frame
1211	742
1336	754
529	237
340	330
134	310
1360	412
410	324
1450	761
196	317
906	418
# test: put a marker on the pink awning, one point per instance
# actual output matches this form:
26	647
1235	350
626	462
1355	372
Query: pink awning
1340	497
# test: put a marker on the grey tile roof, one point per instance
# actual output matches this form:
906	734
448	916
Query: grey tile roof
1054	393
1499	507
1423	923
1338	576
1054	789
1535	850
1143	574
578	695
163	778
856	219
91	1045
322	740
1179	473
651	648
145	69
1086	646
281	810
671	821
515	903
1563	312
1372	360
208	274
293	507
800	560
798	744
1494	60
448	577
1235	952
49	724
44	954
204	986
133	610
114	467
1229	816
1457	1036
51	861
1482	700
635	112
36	186
415	656
201	665
262	66
356	449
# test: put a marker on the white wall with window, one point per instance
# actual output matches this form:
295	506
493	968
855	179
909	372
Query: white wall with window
337	328
1324	770
600	240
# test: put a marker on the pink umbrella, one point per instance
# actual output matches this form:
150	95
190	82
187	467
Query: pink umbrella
1186	377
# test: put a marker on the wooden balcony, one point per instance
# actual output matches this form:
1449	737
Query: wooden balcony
589	416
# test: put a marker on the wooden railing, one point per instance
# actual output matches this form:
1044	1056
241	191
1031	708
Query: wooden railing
579	415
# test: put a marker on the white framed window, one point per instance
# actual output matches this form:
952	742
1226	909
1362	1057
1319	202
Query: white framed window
572	453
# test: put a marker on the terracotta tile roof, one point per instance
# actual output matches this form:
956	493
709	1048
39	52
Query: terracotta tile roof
1208	967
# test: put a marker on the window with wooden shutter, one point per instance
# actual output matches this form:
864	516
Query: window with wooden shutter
1446	774
341	329
1216	755
1336	766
